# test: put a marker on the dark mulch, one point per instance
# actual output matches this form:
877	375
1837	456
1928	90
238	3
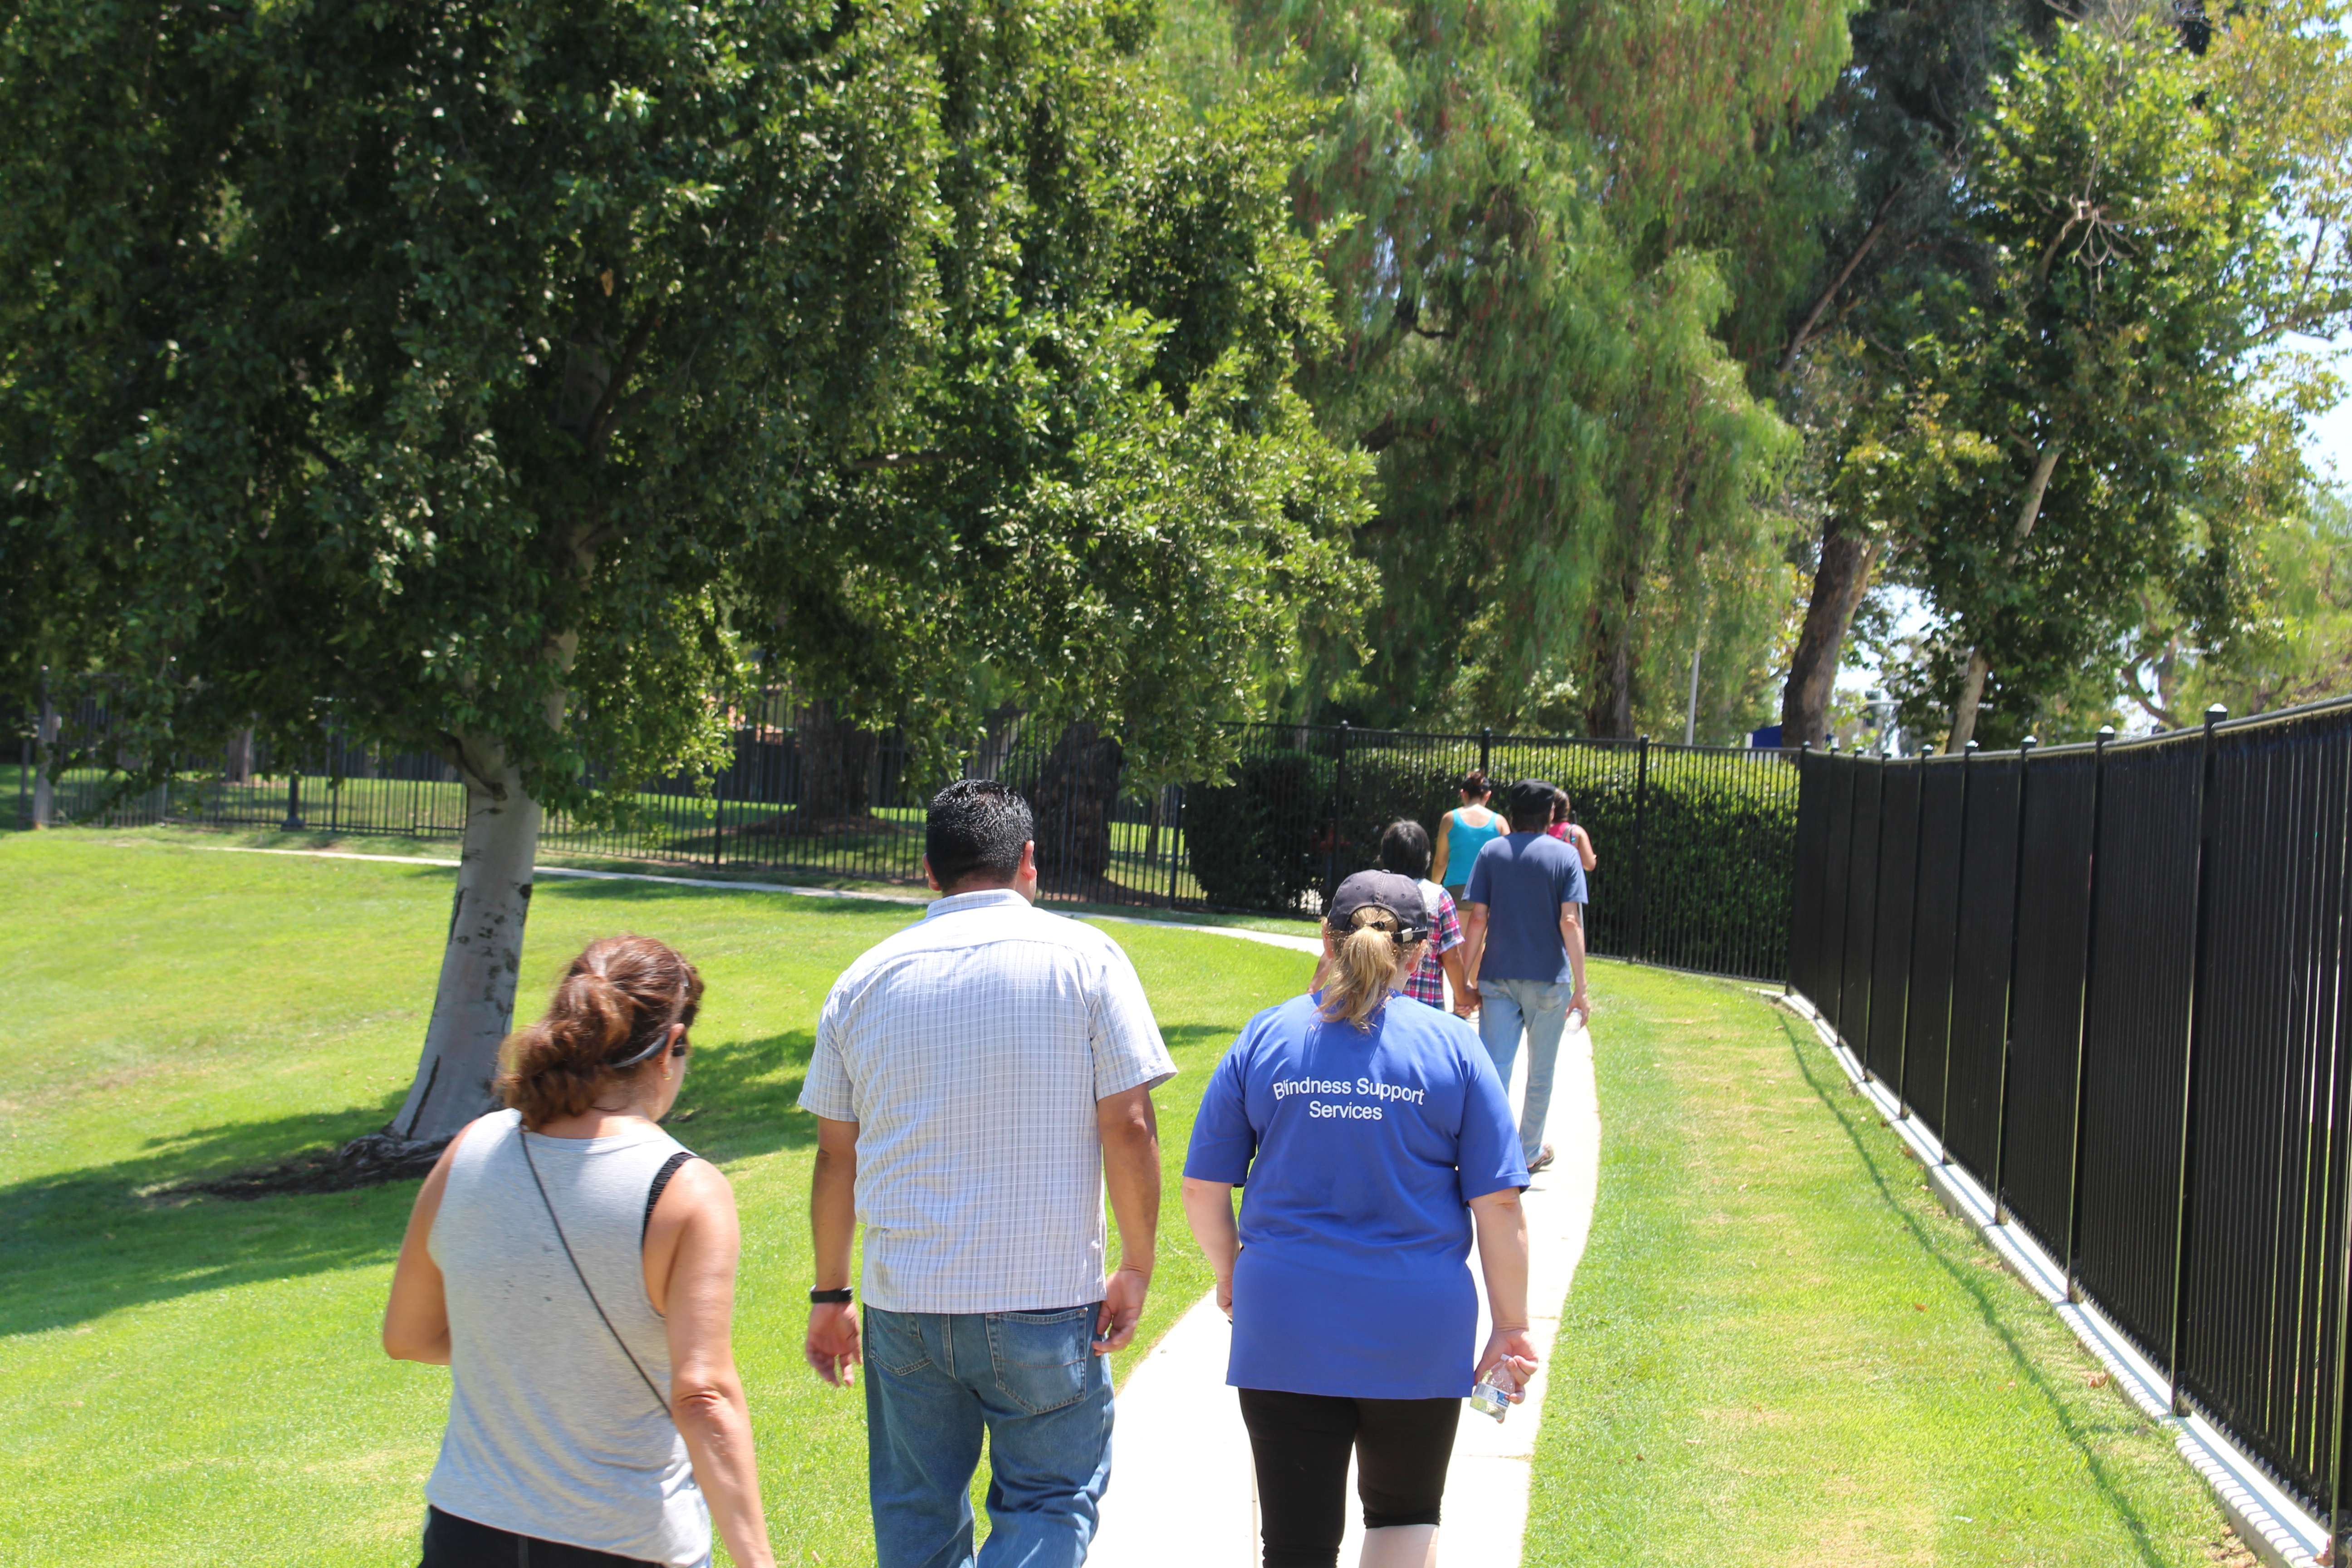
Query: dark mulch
363	1162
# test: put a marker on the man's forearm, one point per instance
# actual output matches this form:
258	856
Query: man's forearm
833	1216
1131	1178
1571	931
1473	946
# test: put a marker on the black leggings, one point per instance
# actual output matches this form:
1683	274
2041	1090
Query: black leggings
1301	1443
454	1542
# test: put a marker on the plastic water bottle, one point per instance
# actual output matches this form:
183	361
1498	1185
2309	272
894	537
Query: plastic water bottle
1493	1395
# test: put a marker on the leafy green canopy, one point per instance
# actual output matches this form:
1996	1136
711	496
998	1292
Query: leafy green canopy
501	374
1514	201
2141	224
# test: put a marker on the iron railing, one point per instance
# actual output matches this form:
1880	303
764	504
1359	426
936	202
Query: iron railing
1694	842
2110	980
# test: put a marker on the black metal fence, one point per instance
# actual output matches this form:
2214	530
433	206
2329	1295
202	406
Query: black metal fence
1695	842
2111	979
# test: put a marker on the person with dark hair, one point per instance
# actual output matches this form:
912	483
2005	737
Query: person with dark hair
574	1269
1373	1142
1524	914
1461	833
979	1080
1404	850
1571	833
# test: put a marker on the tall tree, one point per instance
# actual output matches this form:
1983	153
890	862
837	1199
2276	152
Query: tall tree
1511	200
2151	222
487	381
1870	180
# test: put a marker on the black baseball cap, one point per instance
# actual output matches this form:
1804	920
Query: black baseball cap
1399	896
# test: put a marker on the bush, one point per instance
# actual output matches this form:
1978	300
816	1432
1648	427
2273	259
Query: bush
1253	843
1719	833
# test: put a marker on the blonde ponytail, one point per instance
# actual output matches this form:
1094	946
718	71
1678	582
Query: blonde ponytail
1368	959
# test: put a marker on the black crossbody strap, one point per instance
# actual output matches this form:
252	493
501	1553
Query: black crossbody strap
523	1138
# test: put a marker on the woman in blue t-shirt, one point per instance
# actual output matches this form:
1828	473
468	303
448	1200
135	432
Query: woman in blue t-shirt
1373	1140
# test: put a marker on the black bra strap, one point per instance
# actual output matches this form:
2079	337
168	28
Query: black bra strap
654	1193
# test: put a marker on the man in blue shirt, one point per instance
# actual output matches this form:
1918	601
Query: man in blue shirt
1522	918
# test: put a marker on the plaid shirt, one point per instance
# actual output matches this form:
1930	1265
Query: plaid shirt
970	1049
1428	982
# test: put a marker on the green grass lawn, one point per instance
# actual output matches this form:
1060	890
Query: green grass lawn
1781	1350
197	1380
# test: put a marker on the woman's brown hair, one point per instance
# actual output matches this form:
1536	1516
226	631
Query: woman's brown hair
602	1026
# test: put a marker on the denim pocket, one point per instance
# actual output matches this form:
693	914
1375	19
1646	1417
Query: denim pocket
1043	1359
894	1341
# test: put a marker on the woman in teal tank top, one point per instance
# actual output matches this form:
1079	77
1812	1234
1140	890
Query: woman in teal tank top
1462	834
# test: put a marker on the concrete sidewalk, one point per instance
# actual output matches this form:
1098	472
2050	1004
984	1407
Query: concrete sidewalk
1182	1494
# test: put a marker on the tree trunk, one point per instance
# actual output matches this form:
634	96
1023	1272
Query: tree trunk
44	764
238	768
996	745
473	1005
1972	684
1610	715
836	760
1078	788
1840	580
1964	711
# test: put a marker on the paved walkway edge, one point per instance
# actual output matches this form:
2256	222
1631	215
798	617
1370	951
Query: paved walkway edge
2260	1512
1271	939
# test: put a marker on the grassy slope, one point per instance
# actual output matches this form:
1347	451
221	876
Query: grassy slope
1780	1350
197	1382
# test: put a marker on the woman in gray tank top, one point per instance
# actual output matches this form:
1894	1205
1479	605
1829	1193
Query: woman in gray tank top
574	1269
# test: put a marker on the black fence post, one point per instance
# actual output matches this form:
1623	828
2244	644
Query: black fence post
1641	845
2082	1013
1952	992
2334	1553
1788	985
717	820
24	784
1338	809
1174	794
1911	956
2009	999
2196	990
1860	1043
1845	904
293	822
1485	749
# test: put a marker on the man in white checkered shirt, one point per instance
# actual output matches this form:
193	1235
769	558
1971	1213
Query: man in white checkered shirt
979	1080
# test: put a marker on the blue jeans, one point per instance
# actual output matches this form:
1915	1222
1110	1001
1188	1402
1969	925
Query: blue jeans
934	1383
1540	1008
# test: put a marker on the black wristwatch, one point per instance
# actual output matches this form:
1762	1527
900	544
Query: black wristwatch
829	1297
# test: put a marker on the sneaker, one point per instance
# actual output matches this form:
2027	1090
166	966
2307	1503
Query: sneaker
1542	1160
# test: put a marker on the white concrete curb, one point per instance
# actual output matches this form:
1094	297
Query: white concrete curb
2261	1514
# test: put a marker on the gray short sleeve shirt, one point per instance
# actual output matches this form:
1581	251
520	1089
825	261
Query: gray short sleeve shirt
970	1049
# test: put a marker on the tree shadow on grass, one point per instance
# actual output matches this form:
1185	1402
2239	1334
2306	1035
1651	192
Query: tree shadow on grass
78	1244
810	899
1849	1108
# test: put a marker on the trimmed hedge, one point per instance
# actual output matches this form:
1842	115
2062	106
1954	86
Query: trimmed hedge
1719	835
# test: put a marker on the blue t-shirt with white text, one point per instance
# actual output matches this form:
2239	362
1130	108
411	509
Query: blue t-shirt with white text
1356	1153
1523	878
